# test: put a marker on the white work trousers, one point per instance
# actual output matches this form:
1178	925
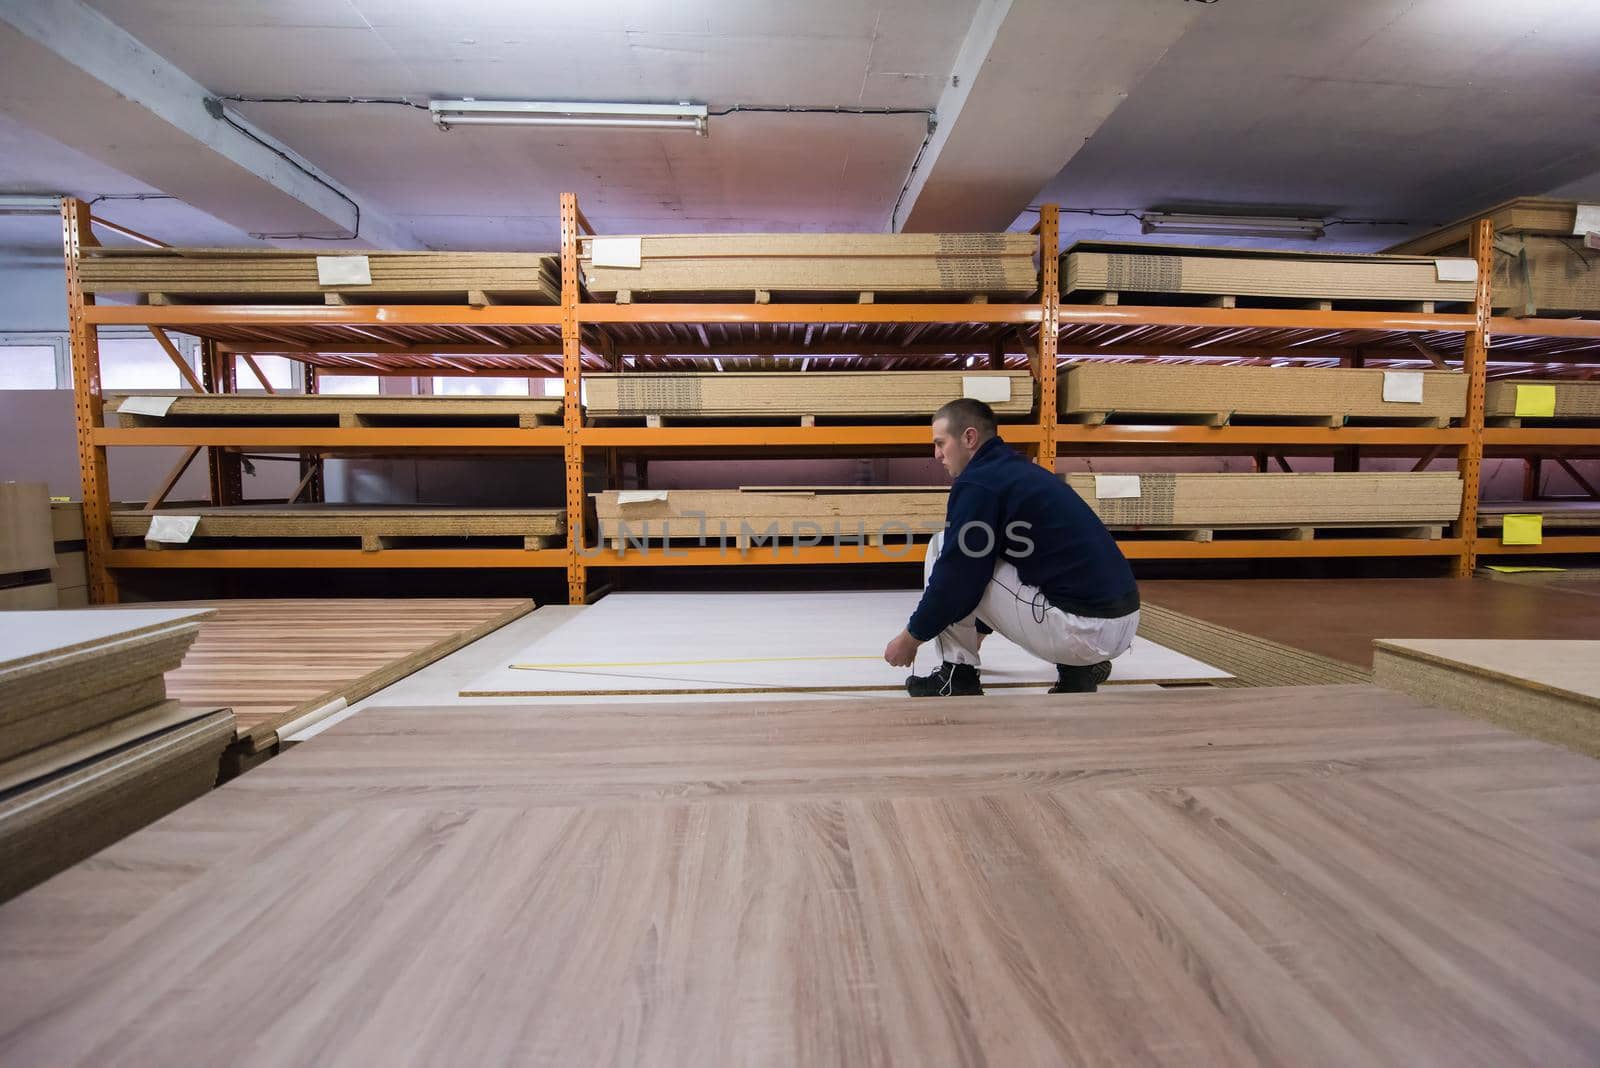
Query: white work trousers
1020	612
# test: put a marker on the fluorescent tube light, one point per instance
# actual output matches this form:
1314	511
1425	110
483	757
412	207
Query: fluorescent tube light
1161	222
30	205
448	113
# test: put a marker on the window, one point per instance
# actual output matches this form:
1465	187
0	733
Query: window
349	385
28	367
278	369
480	386
140	363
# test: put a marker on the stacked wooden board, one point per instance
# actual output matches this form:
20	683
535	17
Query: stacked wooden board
71	571
1566	514
371	523
27	547
1294	876
1091	268
1547	689
1517	399
264	275
298	409
1204	502
779	394
1095	392
747	517
942	265
1540	265
90	746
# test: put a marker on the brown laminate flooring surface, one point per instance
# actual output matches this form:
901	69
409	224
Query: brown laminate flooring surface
1340	618
1305	876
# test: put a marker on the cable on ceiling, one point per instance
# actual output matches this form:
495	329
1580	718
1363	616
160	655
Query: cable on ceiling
215	109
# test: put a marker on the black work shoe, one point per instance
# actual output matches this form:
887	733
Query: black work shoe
1071	679
951	680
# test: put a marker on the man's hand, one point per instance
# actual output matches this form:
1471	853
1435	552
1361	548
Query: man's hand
902	650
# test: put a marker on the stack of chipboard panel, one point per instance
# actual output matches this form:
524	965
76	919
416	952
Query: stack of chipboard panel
1542	398
776	394
992	264
175	408
1094	390
1197	271
27	547
743	516
1540	264
1204	501
539	527
295	275
90	747
71	571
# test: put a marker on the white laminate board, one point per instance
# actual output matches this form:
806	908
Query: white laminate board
27	636
777	642
1571	668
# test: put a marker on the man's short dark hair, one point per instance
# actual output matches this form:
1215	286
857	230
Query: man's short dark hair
964	412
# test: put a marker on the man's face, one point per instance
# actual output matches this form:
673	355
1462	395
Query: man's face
953	450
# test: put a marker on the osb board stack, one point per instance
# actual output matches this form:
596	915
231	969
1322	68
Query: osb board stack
538	525
1098	392
774	394
274	661
27	549
91	747
1310	876
257	276
993	264
1097	267
1540	266
1271	632
290	409
1574	398
1262	499
1547	689
744	516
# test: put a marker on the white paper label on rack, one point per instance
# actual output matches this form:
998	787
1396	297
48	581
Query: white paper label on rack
1457	269
987	388
640	496
1115	487
171	529
156	406
344	271
1402	387
614	251
1588	220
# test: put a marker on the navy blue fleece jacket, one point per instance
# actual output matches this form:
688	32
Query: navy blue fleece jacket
1004	504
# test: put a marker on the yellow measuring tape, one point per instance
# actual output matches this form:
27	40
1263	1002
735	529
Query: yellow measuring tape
686	663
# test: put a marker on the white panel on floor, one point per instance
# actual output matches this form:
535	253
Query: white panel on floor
775	642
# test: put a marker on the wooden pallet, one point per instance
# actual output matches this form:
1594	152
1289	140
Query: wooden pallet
286	410
1115	298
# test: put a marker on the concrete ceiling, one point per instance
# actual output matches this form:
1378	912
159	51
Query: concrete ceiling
1416	110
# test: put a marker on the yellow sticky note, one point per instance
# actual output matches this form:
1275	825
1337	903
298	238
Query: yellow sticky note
1536	401
1523	530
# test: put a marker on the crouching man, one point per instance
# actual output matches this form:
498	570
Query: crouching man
1021	554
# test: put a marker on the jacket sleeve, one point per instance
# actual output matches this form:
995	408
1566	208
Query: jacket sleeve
973	530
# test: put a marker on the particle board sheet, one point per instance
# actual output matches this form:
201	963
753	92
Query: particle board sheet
732	515
741	642
122	783
1223	500
998	264
772	394
1574	398
349	520
26	540
274	661
291	275
1261	392
65	672
1547	689
1202	271
880	858
289	409
1584	581
1269	632
1554	514
1545	276
1522	215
